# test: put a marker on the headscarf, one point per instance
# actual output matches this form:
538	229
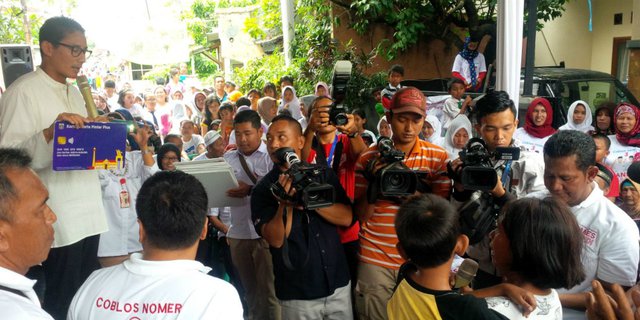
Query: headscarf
264	108
545	129
162	152
631	138
294	104
384	118
458	123
307	101
325	86
470	55
436	137
585	126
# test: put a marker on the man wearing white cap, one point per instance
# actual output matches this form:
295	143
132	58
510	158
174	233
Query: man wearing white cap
214	145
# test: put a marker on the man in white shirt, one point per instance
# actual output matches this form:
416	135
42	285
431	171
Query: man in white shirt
28	111
610	252
163	282
26	234
250	253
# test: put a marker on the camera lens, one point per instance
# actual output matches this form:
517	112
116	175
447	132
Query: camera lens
396	181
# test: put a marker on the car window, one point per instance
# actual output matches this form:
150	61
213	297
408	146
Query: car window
593	92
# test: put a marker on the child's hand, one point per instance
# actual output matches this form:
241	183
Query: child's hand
521	297
468	100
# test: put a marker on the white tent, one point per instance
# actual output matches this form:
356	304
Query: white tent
509	53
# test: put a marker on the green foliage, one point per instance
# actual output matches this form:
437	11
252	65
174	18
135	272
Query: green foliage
204	66
11	25
158	71
415	20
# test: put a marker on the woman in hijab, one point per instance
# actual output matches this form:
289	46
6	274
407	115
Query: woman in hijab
457	136
267	109
625	144
384	129
198	109
290	101
432	130
537	125
604	118
469	65
322	90
578	117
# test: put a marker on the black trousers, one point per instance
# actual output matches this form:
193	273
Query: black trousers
65	270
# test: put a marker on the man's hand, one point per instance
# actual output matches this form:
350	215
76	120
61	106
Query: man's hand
348	128
240	192
102	118
319	118
74	119
601	306
498	191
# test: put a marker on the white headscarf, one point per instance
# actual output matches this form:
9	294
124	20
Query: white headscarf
436	137
585	126
294	104
459	122
384	118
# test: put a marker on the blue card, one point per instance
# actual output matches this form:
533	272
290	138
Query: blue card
99	145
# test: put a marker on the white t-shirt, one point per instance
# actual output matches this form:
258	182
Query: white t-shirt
530	142
17	307
549	307
450	110
620	157
259	164
461	66
191	147
31	104
175	289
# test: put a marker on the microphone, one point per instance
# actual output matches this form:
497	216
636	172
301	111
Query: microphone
466	273
85	89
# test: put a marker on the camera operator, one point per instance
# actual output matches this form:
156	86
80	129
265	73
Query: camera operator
380	260
323	145
310	268
495	120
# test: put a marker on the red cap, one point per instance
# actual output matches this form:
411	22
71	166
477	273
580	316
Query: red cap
409	99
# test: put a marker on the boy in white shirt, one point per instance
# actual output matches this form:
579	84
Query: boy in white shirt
454	105
193	144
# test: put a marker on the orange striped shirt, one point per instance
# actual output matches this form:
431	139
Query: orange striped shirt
378	237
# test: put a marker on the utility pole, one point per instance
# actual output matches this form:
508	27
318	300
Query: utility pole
288	33
26	25
532	6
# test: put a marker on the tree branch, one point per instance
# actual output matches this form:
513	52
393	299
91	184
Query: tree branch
341	4
472	13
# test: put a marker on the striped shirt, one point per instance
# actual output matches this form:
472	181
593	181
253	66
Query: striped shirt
378	237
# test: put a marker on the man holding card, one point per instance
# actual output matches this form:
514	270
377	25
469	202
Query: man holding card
28	111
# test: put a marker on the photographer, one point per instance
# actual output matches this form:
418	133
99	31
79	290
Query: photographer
495	121
379	257
324	146
310	268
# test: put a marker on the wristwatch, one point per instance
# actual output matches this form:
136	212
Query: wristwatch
353	135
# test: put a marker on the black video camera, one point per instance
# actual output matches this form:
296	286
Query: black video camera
312	192
477	170
395	179
340	80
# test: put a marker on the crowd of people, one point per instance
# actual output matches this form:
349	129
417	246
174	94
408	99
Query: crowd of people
552	232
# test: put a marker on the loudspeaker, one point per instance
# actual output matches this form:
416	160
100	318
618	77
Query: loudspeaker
16	61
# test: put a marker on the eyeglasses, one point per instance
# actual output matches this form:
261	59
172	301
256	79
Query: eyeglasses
172	159
77	50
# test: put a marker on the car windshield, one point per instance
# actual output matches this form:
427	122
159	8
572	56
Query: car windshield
594	92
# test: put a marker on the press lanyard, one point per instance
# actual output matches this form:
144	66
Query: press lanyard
333	149
505	175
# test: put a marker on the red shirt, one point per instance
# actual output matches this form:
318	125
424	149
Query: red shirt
347	174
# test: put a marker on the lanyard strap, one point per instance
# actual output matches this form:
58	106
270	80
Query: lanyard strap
333	149
505	176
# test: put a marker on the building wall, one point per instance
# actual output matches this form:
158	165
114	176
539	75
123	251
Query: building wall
569	39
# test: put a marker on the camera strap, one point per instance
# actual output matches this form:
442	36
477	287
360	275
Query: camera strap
285	243
506	176
243	162
331	161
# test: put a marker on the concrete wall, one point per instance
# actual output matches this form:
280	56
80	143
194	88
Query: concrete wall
570	41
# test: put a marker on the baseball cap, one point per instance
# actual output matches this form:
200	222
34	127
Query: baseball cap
409	99
211	137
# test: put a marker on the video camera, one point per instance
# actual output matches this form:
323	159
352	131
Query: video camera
393	180
312	192
340	80
477	170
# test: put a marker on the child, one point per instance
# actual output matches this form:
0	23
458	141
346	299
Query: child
454	105
603	143
431	130
395	76
429	236
376	93
384	129
193	144
457	136
290	101
226	114
530	250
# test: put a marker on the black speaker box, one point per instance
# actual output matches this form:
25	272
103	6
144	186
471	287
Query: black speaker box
16	60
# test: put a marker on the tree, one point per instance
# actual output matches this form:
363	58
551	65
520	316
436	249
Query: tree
18	26
447	20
